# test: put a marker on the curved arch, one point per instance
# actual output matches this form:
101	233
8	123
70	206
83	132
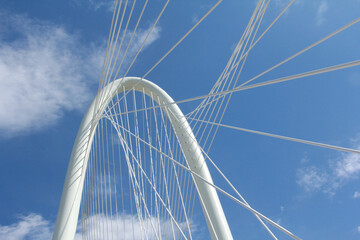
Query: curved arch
68	212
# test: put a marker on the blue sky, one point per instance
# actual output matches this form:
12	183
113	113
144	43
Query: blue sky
51	54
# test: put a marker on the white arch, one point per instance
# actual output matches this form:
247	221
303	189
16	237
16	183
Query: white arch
68	213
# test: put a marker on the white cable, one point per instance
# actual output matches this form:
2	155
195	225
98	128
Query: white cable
323	145
222	191
266	83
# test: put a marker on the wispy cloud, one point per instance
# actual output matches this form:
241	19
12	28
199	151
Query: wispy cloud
45	71
32	226
348	167
125	47
138	39
356	195
311	178
321	11
279	3
42	74
130	227
328	179
107	5
126	226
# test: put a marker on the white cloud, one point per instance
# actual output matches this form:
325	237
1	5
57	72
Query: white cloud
305	159
32	226
126	226
280	3
41	75
311	178
45	71
322	9
358	229
356	195
348	167
138	39
107	5
129	227
195	18
121	52
335	175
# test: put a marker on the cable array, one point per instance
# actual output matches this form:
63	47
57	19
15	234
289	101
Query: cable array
138	183
131	186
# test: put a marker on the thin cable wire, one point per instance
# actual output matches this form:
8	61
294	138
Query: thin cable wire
302	51
266	83
181	39
194	174
323	145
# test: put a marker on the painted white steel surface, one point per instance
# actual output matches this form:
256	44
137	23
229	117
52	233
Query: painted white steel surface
68	213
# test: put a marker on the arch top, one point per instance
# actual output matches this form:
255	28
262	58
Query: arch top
68	212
